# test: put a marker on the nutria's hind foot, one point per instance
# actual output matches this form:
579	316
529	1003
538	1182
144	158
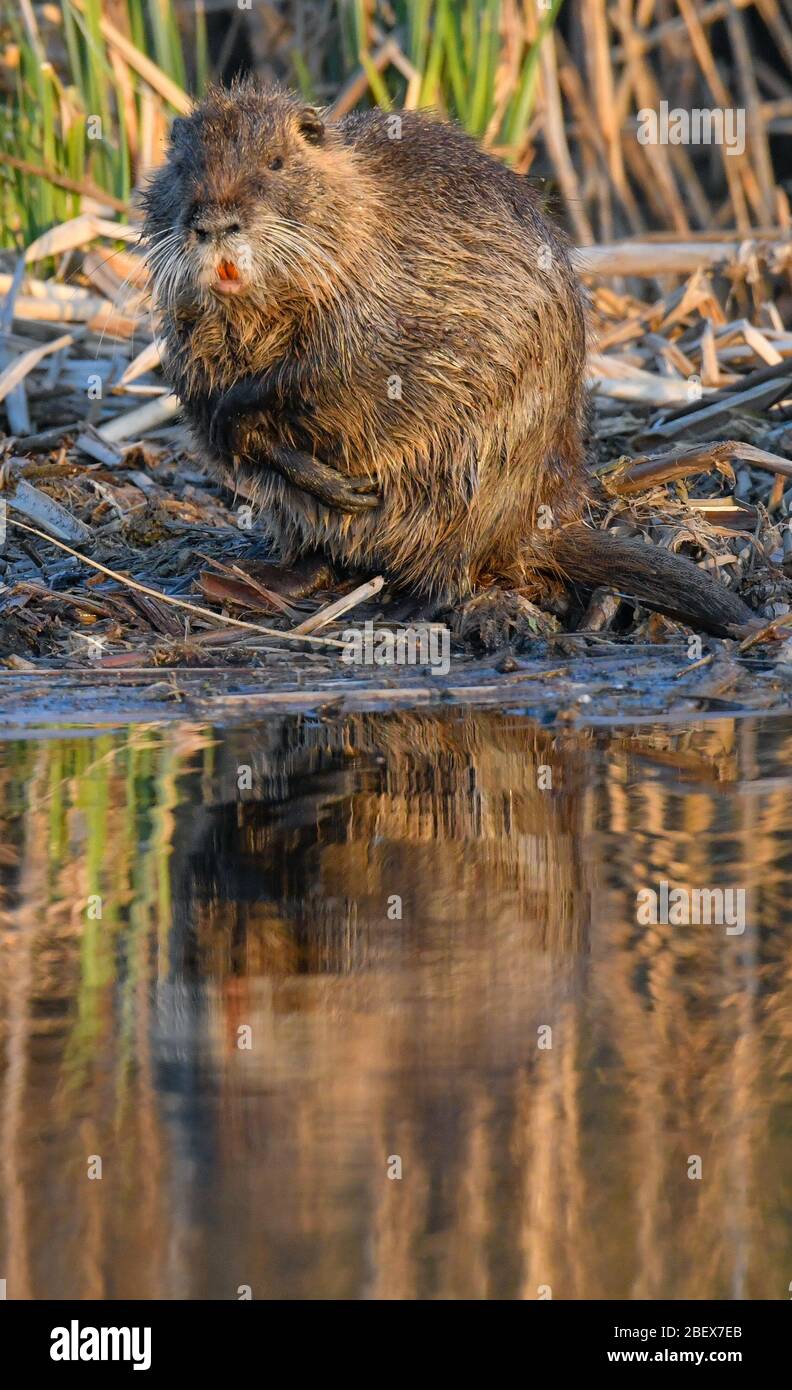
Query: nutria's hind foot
409	609
300	580
496	618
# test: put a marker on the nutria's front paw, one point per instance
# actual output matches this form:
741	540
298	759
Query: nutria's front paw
346	494
325	483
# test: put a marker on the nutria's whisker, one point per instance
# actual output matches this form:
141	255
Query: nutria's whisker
302	250
308	243
291	267
169	272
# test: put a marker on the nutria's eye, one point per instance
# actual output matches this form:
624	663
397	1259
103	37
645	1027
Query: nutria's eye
276	163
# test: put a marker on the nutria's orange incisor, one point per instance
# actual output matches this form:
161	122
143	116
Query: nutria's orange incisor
375	322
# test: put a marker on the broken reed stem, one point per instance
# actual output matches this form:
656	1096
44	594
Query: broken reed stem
85	188
767	633
340	606
175	602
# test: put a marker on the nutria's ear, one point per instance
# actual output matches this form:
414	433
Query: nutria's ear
311	125
177	131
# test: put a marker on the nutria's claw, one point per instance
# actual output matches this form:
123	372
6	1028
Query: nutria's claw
356	502
325	483
344	494
360	493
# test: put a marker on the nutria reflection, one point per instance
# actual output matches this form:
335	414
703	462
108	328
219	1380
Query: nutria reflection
414	828
495	1094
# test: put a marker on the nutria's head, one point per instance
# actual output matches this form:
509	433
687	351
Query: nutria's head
253	195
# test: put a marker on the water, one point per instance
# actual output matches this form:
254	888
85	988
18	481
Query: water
392	911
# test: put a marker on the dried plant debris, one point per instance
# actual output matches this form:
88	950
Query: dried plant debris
122	555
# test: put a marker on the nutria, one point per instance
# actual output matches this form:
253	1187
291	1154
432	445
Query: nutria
375	322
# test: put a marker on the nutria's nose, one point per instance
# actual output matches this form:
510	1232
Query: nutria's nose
213	224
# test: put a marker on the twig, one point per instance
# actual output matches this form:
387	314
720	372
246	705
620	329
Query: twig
167	598
340	606
84	188
18	370
647	258
767	633
57	522
757	398
647	470
140	420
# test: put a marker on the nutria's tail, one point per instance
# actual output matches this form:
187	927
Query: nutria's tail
657	578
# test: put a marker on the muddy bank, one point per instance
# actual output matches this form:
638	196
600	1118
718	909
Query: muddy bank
623	683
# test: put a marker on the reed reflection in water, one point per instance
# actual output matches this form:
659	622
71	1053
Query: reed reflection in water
397	908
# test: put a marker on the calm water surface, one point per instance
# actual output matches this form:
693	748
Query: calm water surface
256	970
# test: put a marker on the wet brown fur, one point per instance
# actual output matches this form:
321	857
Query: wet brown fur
423	325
